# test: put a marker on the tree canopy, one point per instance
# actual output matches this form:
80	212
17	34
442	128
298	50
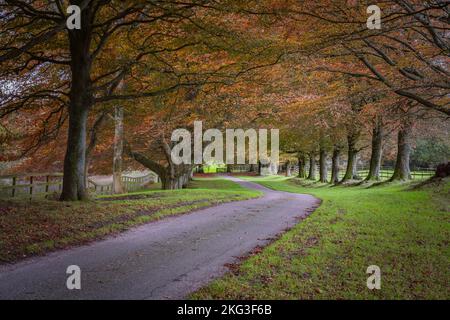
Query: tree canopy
313	69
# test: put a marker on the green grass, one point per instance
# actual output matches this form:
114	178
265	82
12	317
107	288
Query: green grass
38	226
406	233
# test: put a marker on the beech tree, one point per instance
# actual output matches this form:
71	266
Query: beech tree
312	69
71	71
34	38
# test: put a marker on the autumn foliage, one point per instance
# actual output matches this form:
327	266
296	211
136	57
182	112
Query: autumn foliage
336	89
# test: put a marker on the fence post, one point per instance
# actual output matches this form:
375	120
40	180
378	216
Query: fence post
14	186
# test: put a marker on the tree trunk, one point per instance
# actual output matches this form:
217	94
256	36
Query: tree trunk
301	166
335	165
312	166
87	163
288	169
81	100
74	182
351	158
402	171
273	168
185	181
169	183
173	182
118	151
185	174
165	173
377	151
323	172
355	175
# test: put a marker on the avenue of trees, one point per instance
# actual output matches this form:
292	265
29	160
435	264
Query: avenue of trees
109	95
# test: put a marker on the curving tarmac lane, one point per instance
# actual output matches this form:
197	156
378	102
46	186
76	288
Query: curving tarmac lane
166	259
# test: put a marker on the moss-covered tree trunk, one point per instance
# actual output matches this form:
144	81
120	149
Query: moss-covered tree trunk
402	171
81	101
168	182
335	165
351	158
288	169
312	166
377	151
323	171
301	166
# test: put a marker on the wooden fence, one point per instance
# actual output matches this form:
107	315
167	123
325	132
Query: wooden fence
234	168
385	172
130	184
41	184
30	185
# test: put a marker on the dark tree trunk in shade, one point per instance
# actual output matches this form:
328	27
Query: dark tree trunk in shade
81	100
301	166
312	166
377	151
335	165
402	170
74	182
323	171
442	170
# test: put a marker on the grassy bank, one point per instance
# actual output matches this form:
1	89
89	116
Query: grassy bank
35	227
405	233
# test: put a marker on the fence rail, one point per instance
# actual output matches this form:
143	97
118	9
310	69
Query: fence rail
41	184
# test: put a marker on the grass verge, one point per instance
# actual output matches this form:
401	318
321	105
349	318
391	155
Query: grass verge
34	227
405	233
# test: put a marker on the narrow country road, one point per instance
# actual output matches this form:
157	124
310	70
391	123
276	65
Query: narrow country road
166	259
